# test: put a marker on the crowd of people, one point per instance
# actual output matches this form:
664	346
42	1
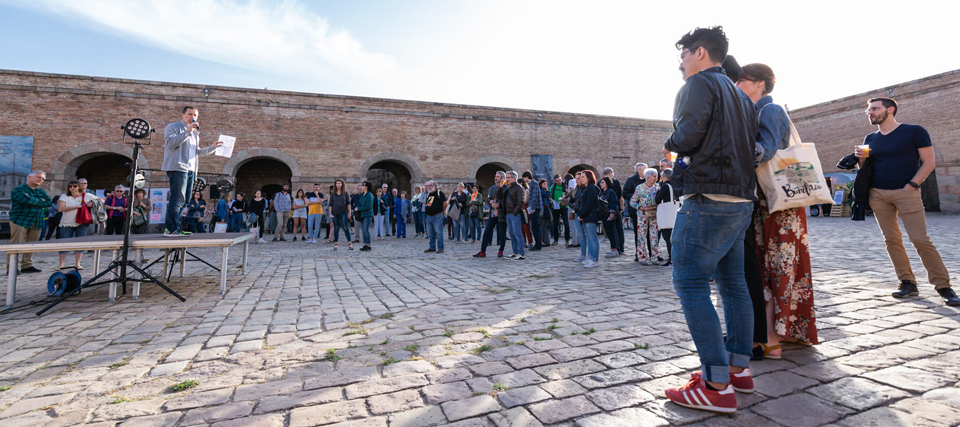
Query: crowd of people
703	200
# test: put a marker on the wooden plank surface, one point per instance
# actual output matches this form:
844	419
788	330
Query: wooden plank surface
137	241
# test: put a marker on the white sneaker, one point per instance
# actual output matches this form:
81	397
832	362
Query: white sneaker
580	258
261	241
591	264
612	254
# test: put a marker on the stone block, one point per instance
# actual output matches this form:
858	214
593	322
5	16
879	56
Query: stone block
522	396
472	407
394	402
439	393
555	411
613	398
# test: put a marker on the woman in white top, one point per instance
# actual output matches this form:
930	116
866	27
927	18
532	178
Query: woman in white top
69	205
300	215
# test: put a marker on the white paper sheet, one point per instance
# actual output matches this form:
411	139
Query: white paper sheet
226	150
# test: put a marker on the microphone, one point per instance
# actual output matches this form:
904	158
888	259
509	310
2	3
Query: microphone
194	121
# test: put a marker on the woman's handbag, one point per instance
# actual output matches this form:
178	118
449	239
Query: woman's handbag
453	211
83	215
793	178
667	211
140	219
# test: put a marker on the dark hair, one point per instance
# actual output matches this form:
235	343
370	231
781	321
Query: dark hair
712	39
887	103
77	183
609	182
188	108
544	181
758	72
368	185
240	193
731	68
667	173
140	190
526	174
567	177
194	193
591	178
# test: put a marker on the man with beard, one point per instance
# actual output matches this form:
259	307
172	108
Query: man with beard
902	157
495	220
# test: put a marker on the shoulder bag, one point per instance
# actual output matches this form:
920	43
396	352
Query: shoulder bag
667	211
793	178
83	215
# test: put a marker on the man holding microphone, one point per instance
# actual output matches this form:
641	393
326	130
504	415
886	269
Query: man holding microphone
181	148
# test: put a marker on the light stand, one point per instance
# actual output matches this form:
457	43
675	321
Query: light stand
137	130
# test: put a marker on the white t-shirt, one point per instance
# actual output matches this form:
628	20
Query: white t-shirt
69	218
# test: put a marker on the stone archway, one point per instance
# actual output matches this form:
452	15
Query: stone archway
486	167
400	170
66	166
233	165
577	165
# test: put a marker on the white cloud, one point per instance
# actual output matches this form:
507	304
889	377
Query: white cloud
277	38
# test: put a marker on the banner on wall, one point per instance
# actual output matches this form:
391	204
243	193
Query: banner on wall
16	159
158	197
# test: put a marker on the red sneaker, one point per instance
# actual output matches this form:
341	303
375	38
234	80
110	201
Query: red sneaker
696	395
742	382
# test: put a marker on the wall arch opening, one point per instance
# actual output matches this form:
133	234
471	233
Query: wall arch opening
264	174
103	171
485	174
582	167
393	173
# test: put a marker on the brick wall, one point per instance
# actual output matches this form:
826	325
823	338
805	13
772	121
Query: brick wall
838	125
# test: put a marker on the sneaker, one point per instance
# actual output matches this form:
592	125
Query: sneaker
30	269
667	264
366	249
612	254
520	258
513	255
294	238
742	382
590	264
479	255
439	251
260	240
906	289
696	395
429	250
177	233
949	297
580	258
499	254
645	262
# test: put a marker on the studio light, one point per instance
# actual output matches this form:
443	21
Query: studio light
137	128
224	185
199	184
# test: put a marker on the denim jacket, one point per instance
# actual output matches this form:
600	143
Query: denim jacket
774	133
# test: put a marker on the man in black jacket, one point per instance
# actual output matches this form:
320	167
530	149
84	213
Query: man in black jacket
714	134
629	187
513	206
618	190
494	222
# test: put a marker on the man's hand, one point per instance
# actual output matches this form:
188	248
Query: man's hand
666	154
218	144
859	153
909	187
192	126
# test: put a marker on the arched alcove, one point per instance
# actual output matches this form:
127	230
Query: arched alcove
263	173
392	167
103	164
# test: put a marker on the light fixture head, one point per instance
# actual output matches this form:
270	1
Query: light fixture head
225	185
199	184
137	128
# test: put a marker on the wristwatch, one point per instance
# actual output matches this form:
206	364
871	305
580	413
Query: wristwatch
914	184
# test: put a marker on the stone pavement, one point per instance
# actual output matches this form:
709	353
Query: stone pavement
396	337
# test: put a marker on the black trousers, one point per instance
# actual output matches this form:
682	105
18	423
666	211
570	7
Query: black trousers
636	237
560	219
610	227
666	234
501	227
751	269
115	225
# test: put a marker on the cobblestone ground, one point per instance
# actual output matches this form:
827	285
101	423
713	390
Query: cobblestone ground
393	337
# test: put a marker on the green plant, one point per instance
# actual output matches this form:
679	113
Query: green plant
500	387
482	349
331	355
589	331
448	333
477	393
118	364
386	316
523	319
644	346
573	333
412	348
415	358
542	338
184	385
5	388
120	399
484	332
554	320
619	328
389	361
551	327
385	342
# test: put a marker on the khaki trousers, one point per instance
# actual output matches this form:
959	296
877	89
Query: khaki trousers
282	218
20	234
887	205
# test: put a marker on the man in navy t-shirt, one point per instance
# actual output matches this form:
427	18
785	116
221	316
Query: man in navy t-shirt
902	157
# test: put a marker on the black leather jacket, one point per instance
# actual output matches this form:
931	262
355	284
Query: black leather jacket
629	187
716	125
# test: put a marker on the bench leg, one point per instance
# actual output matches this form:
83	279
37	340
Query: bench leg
11	278
223	270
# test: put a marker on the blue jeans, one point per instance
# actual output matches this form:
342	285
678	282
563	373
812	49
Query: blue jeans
418	222
475	227
401	226
535	229
708	243
341	221
578	226
313	225
365	229
458	227
68	232
180	183
435	230
515	224
236	222
590	241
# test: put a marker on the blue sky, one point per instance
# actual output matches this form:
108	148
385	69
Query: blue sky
599	57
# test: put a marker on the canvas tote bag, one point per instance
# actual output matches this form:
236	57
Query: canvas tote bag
667	211
793	178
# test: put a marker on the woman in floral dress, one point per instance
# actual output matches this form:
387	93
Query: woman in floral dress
782	244
644	201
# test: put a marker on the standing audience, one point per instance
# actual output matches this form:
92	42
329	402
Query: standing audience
69	205
29	205
644	201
